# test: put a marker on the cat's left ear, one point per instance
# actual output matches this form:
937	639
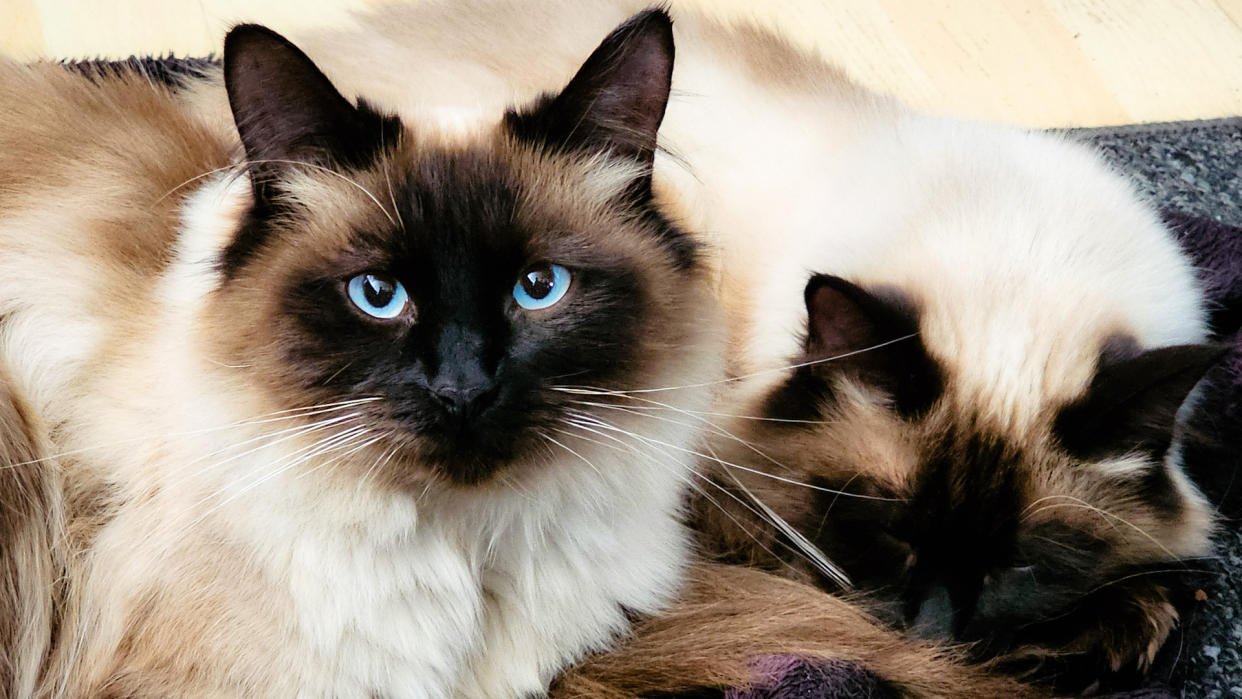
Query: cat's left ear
616	101
287	111
872	334
1132	402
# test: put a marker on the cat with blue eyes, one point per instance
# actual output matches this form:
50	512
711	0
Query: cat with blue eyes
957	351
287	370
290	390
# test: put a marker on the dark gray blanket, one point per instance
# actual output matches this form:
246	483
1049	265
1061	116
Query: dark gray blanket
1194	171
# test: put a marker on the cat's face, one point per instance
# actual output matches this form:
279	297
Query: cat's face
1035	538
451	286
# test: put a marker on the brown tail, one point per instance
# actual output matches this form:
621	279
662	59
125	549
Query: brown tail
30	545
730	615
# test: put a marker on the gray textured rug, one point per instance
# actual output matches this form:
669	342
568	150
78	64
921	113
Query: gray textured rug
1196	168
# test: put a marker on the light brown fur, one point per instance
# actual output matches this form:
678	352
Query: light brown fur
729	616
32	552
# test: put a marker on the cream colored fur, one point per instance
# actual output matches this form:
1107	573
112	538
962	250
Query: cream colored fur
220	546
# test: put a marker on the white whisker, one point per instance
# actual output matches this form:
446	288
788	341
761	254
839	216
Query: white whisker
585	460
289	414
282	465
1083	504
717	429
266	441
384	457
587	390
816	555
757	472
341	457
801	545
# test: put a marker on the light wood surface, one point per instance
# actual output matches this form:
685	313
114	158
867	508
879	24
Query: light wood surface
1034	62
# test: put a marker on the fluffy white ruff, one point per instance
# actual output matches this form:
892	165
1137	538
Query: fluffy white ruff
450	593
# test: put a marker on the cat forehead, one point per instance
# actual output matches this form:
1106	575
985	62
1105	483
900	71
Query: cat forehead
497	186
495	165
1016	364
956	453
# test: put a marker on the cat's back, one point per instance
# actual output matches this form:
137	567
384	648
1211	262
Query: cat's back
94	154
1023	253
82	123
95	162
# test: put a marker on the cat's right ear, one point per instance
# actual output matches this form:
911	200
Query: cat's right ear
616	101
287	111
1133	401
873	336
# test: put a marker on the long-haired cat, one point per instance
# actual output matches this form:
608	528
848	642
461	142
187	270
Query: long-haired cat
281	406
979	421
292	428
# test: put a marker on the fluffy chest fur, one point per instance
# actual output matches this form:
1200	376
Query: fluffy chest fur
238	538
311	441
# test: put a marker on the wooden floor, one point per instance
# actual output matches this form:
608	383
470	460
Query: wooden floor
1035	62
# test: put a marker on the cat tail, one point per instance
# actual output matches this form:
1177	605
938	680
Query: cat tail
32	558
731	622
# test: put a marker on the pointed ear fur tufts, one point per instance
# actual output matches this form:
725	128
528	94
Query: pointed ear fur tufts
616	101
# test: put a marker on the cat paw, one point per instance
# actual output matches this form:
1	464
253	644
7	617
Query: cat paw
1132	641
1108	643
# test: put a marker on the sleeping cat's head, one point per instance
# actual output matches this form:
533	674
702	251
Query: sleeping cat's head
447	285
1026	522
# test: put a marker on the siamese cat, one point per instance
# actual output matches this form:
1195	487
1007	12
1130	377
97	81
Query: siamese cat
970	406
284	419
286	400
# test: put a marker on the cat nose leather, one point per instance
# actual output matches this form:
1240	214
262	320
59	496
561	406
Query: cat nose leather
463	398
463	383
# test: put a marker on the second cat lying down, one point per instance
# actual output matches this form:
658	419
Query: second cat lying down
997	343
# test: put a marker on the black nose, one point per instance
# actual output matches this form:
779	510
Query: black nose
465	399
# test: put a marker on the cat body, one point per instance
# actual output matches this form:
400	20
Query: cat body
268	492
980	380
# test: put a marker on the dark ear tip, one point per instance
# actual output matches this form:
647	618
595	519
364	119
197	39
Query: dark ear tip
654	18
242	34
654	22
822	281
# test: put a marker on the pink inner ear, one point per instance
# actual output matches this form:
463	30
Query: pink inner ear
836	323
286	109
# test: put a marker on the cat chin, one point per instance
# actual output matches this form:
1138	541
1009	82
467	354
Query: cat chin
472	468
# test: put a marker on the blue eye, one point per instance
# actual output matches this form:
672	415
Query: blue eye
541	286
378	295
